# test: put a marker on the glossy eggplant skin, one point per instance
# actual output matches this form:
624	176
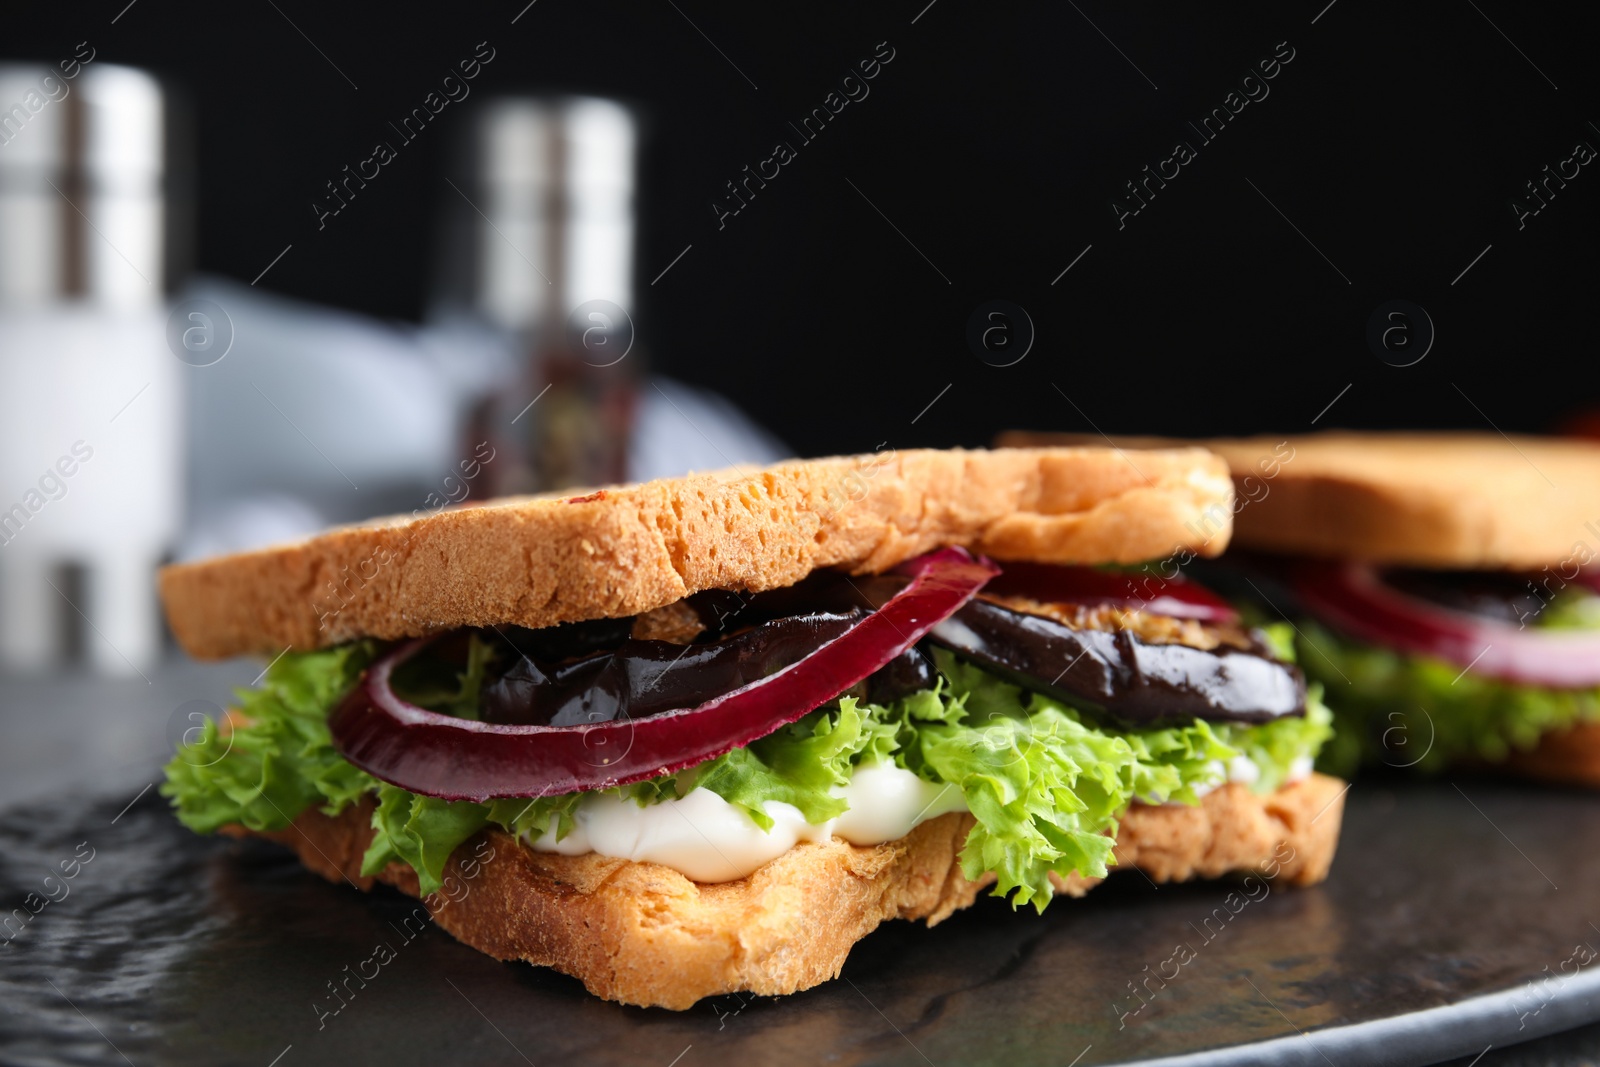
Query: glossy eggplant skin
1114	676
1117	677
640	678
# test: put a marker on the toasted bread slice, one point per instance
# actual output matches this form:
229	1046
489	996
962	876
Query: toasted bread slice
1566	757
644	934
1414	499
539	561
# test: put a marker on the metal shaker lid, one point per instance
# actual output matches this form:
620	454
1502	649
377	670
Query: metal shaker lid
548	220
83	164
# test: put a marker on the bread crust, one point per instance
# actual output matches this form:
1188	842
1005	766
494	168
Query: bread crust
1412	499
1565	757
644	934
538	561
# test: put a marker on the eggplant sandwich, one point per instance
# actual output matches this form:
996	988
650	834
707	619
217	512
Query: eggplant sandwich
1446	589
701	735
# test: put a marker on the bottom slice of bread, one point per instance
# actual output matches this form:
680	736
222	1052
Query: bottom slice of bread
1570	757
644	934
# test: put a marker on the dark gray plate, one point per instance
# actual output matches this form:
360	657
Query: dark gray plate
1453	920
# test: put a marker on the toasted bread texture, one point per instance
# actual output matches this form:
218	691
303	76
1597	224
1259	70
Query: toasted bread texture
538	561
1413	499
644	934
1565	757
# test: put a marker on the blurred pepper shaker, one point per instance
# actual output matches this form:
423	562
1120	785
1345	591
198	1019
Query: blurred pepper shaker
90	395
550	259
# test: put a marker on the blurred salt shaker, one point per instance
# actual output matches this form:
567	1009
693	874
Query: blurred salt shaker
90	394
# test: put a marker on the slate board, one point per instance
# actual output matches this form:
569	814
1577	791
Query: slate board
1443	905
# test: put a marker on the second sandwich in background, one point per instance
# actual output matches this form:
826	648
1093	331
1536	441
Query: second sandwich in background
1443	586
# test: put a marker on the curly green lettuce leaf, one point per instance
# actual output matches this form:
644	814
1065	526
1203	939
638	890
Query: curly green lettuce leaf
421	831
1572	608
799	764
1045	787
277	758
1414	711
1275	746
536	816
1279	637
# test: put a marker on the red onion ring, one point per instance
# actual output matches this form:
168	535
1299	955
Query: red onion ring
1177	597
1354	598
461	759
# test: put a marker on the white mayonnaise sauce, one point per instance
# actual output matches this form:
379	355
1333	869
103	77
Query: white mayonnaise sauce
1245	771
705	838
1241	769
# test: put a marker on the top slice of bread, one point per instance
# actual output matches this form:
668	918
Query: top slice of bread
538	561
1416	499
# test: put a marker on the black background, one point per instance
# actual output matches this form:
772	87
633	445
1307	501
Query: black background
994	141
